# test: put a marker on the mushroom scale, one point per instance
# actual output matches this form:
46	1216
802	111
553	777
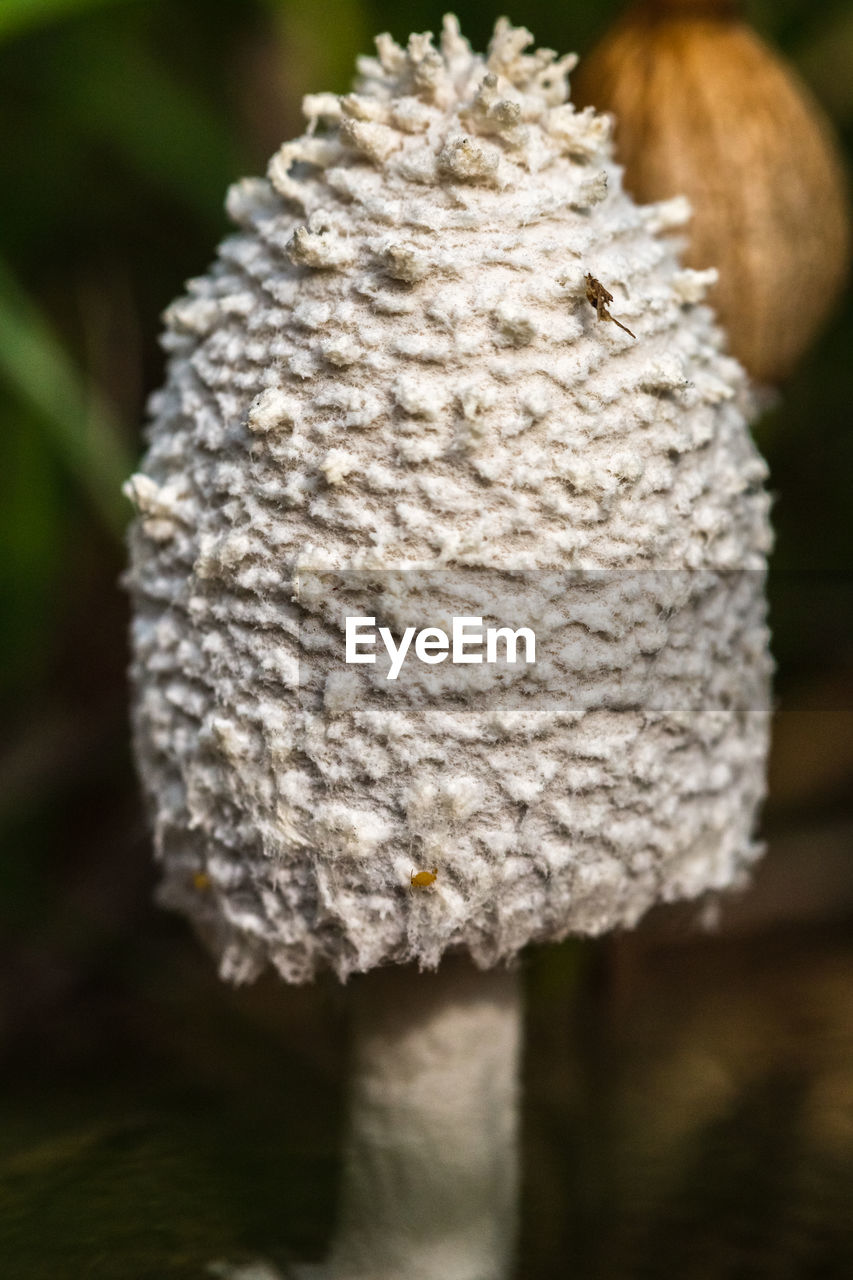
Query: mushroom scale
390	390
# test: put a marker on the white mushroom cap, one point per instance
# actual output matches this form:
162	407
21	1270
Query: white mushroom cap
390	396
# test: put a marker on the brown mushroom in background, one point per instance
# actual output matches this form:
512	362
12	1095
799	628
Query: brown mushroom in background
703	107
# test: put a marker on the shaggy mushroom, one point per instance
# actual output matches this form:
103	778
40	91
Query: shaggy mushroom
391	401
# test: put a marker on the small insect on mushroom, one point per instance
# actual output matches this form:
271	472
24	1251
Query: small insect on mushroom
423	879
598	297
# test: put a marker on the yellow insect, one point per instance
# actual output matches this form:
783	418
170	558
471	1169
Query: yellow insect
201	881
423	879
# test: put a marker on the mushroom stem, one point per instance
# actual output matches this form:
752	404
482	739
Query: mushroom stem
430	1172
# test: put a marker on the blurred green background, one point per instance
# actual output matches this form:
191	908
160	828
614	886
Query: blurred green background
690	1099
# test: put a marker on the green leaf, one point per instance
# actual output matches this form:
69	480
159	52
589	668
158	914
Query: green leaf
76	423
114	88
31	522
17	16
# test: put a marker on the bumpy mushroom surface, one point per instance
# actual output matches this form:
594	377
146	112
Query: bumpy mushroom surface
391	393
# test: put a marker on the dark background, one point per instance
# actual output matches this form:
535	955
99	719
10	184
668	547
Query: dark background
689	1097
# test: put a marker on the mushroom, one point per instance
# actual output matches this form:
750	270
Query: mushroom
395	400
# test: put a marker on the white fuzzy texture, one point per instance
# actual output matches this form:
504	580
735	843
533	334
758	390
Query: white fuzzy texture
393	366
